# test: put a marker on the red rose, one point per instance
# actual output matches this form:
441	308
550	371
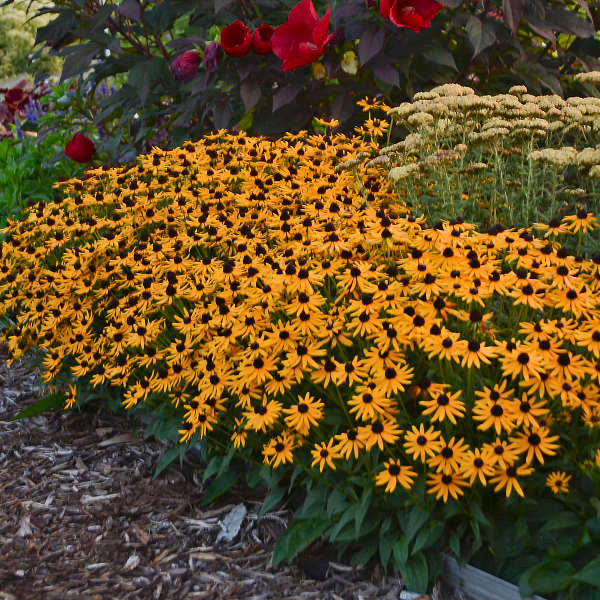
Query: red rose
261	39
236	39
80	148
185	66
303	38
412	14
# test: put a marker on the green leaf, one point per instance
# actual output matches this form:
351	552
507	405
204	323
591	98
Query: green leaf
364	555
480	33
220	486
416	519
385	549
416	574
590	573
400	550
336	503
551	576
363	507
168	457
300	534
427	537
344	520
46	403
562	520
273	499
440	56
593	528
455	544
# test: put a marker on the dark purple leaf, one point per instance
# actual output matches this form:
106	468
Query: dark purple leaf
185	43
513	13
385	70
286	95
450	3
480	33
540	27
342	107
130	9
348	9
568	22
222	115
370	44
250	93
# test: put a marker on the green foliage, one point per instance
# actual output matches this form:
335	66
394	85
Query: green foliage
28	168
45	404
489	46
17	39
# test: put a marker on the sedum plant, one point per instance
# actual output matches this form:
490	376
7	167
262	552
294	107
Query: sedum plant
425	388
511	159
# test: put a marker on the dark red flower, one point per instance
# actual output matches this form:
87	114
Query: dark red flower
236	39
185	66
303	38
411	14
14	95
261	39
80	148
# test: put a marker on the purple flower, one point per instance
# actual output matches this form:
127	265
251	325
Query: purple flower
33	111
103	89
211	56
101	132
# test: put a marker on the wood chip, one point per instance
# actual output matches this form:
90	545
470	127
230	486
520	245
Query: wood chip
86	499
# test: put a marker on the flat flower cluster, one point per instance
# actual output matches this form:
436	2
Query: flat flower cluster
513	157
304	316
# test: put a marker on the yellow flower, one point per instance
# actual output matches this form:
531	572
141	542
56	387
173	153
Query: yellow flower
349	63
558	482
318	70
395	473
324	454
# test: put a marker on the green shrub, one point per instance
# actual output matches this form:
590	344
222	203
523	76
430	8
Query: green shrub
489	45
17	39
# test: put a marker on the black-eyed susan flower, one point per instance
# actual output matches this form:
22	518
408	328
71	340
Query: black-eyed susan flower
535	442
527	410
476	465
305	414
279	450
505	478
446	484
498	414
500	452
380	432
263	416
421	443
450	455
558	482
395	473
444	405
324	454
349	443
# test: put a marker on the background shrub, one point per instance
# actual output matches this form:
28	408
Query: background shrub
17	39
489	46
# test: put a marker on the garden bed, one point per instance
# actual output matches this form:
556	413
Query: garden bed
82	517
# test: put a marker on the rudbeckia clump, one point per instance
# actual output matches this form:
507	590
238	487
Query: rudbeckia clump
512	158
431	388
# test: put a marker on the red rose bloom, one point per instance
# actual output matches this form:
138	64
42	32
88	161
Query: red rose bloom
412	14
185	66
236	39
80	148
303	38
261	39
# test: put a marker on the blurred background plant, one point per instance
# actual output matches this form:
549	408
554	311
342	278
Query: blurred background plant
17	40
490	46
29	163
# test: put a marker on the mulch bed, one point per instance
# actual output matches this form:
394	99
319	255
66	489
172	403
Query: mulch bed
81	517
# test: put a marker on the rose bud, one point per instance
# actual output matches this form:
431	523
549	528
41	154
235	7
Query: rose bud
80	148
261	39
236	39
185	66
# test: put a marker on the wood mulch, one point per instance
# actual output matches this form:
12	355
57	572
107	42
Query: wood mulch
81	517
